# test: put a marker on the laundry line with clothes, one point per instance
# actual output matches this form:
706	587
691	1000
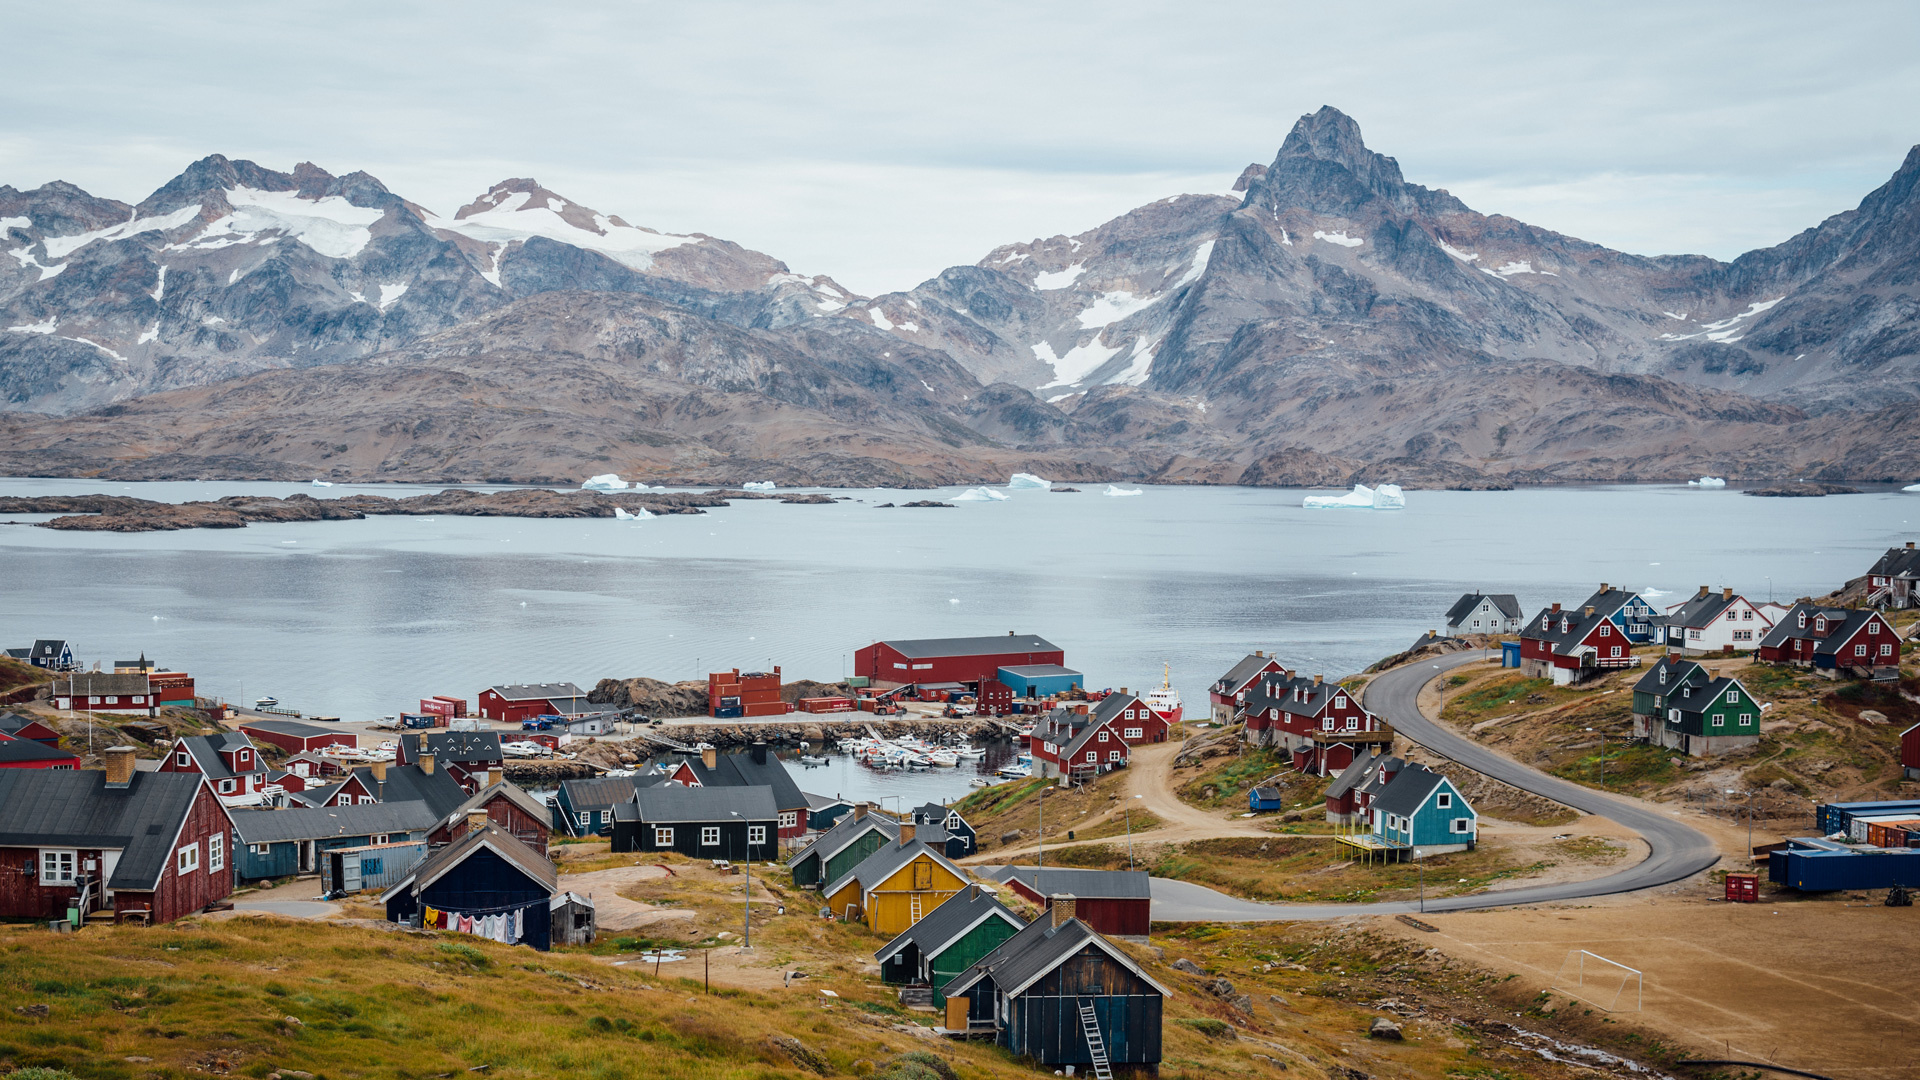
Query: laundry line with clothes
507	926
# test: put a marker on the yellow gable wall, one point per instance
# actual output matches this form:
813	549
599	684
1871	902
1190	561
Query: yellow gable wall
890	905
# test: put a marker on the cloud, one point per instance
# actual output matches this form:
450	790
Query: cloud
880	142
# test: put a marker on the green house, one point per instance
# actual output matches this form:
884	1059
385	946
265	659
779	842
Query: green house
1711	719
1665	677
841	848
947	941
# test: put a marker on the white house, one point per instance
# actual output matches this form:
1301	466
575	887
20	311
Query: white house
1485	613
1711	623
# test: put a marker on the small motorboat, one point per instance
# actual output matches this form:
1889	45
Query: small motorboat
810	760
969	753
266	702
979	781
944	758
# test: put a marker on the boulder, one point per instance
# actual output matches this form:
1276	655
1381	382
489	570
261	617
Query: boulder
1220	988
1011	837
1188	966
1384	1028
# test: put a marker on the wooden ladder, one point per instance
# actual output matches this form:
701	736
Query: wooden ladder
1090	1023
913	908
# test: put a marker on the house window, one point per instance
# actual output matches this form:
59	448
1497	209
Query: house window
922	667
789	818
1444	801
1616	650
1663	676
1605	630
1103	734
606	816
246	756
366	800
1462	825
901	667
1886	650
1340	702
1820	626
1693	633
1113	755
1093	756
259	849
1859	650
1803	620
226	787
662	836
1746	616
709	835
185	759
1733	697
56	866
187	859
216	853
1746	719
1719	721
1353	723
586	817
1135	733
756	834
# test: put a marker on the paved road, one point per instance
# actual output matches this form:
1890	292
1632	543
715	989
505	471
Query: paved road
1676	850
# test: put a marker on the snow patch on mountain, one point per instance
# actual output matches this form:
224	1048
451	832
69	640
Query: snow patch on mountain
390	293
1080	361
879	317
47	327
1463	256
1340	238
512	221
59	247
1729	330
1059	279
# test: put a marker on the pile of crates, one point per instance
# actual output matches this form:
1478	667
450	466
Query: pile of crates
732	695
442	705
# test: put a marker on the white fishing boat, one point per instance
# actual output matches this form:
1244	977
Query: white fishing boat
969	753
810	760
979	781
944	758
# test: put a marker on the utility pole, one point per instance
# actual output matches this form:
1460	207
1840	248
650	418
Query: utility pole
1040	840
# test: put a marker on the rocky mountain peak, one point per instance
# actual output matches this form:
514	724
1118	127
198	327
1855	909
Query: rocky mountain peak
1324	167
1332	136
213	173
1250	176
526	194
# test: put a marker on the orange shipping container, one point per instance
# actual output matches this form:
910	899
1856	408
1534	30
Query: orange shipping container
1891	833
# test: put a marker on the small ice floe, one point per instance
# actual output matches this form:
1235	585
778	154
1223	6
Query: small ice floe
1122	493
1911	487
981	494
1707	482
604	482
621	514
953	599
757	485
1026	481
322	483
285	542
1650	592
1362	497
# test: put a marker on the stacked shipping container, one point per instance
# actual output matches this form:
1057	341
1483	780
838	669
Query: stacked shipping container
731	694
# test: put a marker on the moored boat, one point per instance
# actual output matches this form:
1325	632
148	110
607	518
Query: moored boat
1164	700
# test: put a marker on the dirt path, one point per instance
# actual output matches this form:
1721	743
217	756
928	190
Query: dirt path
614	913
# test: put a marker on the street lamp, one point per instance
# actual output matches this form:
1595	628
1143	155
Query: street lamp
1127	812
746	918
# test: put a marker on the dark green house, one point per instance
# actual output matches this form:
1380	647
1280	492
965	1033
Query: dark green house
841	848
1711	719
1665	677
947	941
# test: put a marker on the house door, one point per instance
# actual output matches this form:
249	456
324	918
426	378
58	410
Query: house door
306	856
922	875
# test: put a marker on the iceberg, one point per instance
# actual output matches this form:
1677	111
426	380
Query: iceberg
1026	481
757	485
1120	492
1707	482
981	494
604	482
1362	497
322	483
621	514
1911	487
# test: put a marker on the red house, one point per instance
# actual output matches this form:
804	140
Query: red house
15	726
1573	646
33	754
84	691
1834	641
512	703
1228	694
952	660
1114	902
297	738
1319	723
507	806
1910	752
228	761
1074	742
172	688
1132	720
152	846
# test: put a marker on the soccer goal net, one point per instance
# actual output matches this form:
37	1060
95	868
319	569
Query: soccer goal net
1596	980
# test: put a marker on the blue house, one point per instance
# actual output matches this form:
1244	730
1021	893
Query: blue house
281	843
960	840
1633	616
1265	798
1421	813
1039	680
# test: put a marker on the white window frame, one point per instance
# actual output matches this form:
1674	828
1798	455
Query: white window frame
185	759
663	836
606	816
586	817
1134	733
1733	697
709	836
1443	801
1606	630
1113	755
187	859
367	800
1719	720
216	853
1462	826
789	818
756	834
1746	718
1103	734
1093	756
1859	650
259	849
58	859
1340	701
226	787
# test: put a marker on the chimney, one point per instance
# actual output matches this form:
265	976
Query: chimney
710	758
1726	593
1589	611
906	833
973	889
494	776
1556	609
1604	586
759	750
426	764
1289	674
859	810
119	765
379	771
1262	655
1062	908
1123	689
1703	593
1318	679
1909	545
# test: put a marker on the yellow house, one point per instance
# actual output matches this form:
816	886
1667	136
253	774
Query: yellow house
896	886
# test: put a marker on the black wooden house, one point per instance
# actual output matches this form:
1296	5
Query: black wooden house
1061	994
734	823
961	841
472	884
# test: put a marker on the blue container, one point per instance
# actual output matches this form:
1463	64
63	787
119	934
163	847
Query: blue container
1828	871
1510	654
733	713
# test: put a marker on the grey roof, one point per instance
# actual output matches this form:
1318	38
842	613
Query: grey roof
293	728
1040	671
1036	950
1507	604
1276	691
1266	793
545	691
1898	562
315	794
95	683
816	801
1546	626
600	792
76	808
509	847
1085	884
945	924
1084	736
21	750
1242	673
1700	610
453	745
410	783
887	861
1704	696
972	646
1609	600
1111	706
1843	624
513	792
320	822
740	770
1352	776
1375	780
844	832
1678	671
206	750
672	802
1410	788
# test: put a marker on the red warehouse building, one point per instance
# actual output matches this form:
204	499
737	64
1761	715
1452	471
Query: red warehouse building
1114	902
295	737
510	704
953	660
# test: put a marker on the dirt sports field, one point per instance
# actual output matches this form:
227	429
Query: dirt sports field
1828	986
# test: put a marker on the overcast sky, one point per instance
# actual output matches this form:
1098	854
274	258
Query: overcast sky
881	142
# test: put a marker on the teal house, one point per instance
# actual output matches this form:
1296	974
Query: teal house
841	848
1710	719
947	941
1421	813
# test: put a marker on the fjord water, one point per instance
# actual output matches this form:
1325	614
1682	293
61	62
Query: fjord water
362	618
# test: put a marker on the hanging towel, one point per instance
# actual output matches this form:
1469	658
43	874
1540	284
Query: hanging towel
519	925
503	932
429	917
466	924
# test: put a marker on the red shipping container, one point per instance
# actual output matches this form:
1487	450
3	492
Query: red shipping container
436	707
1743	888
769	708
459	704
